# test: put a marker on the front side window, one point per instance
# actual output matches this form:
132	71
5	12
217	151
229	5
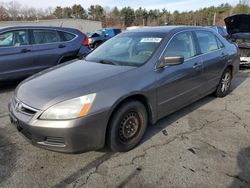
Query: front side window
14	38
207	41
45	36
181	45
128	49
7	39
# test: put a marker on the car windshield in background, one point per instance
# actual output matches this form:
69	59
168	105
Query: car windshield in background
126	50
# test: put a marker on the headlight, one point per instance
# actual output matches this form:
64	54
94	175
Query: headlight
90	40
70	109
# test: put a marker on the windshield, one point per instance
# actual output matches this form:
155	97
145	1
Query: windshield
129	49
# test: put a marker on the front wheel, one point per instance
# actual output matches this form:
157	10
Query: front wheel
127	126
225	83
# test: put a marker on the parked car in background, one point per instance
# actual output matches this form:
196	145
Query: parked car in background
238	28
28	50
135	78
219	29
101	35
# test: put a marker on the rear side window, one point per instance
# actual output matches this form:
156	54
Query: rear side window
181	45
207	40
21	38
14	38
45	36
67	36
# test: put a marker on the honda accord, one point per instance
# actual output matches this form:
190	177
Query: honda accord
132	80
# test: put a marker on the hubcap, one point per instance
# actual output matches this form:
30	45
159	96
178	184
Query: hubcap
129	126
225	82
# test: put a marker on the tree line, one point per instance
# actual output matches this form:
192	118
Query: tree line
124	17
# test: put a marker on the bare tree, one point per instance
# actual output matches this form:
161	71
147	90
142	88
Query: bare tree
3	13
13	9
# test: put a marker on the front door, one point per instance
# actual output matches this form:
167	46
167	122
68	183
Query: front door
15	54
178	85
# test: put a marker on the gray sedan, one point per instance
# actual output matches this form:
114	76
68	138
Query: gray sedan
132	80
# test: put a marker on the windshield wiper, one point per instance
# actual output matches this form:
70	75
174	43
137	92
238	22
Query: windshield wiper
104	61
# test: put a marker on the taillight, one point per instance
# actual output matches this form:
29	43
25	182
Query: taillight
85	41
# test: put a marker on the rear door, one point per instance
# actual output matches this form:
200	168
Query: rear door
214	56
15	54
179	85
48	47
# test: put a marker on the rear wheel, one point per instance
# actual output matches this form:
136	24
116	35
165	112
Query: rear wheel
225	83
127	126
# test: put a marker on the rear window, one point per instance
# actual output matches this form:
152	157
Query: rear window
45	36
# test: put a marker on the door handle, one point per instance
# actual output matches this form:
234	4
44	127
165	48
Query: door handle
25	50
223	55
197	66
61	46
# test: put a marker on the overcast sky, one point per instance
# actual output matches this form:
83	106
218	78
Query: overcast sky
181	5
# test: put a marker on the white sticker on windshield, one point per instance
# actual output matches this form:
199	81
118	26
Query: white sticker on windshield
157	40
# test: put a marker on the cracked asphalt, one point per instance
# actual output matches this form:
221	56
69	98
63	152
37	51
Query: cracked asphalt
206	144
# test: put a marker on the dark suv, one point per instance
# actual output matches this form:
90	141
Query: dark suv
28	50
101	35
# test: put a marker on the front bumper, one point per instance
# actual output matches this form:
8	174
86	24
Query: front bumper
71	136
244	61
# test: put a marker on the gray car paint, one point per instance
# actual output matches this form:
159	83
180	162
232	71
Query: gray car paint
164	90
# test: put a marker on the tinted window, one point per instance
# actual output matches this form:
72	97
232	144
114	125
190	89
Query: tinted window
14	38
117	31
6	39
207	41
67	36
181	45
45	36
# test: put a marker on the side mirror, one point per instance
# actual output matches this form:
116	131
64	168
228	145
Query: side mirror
170	61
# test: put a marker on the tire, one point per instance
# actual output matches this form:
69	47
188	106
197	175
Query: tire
225	83
127	126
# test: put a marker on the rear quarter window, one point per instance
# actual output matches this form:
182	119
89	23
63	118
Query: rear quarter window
67	36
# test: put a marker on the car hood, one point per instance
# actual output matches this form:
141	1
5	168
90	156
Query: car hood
66	81
238	24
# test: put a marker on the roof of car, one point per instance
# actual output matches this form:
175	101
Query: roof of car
165	29
33	26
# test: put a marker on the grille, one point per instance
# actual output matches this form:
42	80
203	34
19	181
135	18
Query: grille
244	52
23	108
